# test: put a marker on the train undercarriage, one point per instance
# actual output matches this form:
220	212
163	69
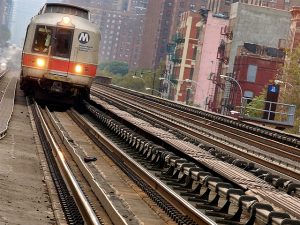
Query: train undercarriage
54	91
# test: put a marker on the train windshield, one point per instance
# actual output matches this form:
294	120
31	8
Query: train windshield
53	41
42	40
63	43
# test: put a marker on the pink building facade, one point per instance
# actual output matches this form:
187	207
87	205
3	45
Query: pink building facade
207	63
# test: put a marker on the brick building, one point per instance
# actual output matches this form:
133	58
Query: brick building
161	22
223	6
186	39
255	67
220	6
206	62
294	39
244	28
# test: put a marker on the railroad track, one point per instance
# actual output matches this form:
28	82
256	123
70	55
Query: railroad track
246	185
75	205
94	195
270	154
222	120
195	181
182	175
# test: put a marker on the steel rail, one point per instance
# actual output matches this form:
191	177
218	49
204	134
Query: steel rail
256	157
3	73
247	180
81	201
251	128
115	216
250	138
156	184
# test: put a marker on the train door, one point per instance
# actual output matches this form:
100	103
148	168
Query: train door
61	51
59	57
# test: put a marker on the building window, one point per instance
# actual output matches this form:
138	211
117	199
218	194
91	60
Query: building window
194	53
191	73
248	94
198	32
251	73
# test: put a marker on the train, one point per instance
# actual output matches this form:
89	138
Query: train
60	53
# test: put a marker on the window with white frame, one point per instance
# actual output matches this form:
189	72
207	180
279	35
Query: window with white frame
251	73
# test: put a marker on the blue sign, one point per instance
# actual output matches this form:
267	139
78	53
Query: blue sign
273	88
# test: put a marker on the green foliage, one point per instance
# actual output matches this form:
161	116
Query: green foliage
4	34
255	107
102	66
115	67
129	82
137	80
289	90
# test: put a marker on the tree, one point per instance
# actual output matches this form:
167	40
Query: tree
129	82
102	66
137	80
255	108
115	67
289	91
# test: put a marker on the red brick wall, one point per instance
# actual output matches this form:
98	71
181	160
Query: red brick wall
266	71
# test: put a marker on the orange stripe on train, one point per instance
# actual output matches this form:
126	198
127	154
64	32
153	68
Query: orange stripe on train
65	66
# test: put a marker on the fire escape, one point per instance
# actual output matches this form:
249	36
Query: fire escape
174	50
226	36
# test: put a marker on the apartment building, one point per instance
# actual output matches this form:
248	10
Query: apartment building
243	28
184	56
161	22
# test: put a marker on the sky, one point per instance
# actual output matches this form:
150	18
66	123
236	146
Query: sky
23	11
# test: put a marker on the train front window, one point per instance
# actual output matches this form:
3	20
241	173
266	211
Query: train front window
42	40
63	43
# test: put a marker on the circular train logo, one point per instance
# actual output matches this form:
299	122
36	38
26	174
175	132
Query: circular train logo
83	37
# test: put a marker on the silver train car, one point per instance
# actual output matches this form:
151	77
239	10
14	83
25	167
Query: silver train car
60	53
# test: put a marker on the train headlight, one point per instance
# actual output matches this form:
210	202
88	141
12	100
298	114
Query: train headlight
66	20
40	62
78	68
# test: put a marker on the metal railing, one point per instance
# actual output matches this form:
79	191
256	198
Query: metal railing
268	112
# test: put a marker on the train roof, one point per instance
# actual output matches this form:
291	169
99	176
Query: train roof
52	19
64	8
